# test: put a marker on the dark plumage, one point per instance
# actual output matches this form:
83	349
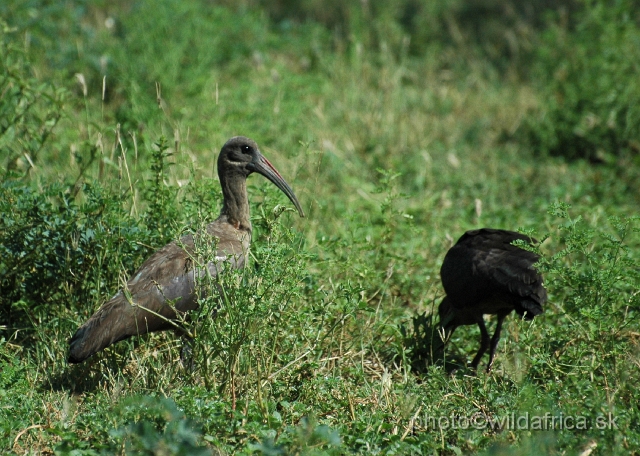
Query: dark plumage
483	273
169	274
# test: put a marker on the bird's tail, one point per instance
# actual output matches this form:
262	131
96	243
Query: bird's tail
82	345
110	324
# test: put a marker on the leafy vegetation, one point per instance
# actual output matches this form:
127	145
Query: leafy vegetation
590	86
399	126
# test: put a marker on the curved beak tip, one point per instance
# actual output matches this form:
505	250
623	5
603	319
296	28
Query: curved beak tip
262	166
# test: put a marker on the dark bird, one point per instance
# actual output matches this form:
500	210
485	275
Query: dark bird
483	273
166	281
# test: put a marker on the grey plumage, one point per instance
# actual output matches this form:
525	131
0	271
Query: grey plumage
169	275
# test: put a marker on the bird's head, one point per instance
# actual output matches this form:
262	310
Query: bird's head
241	156
447	315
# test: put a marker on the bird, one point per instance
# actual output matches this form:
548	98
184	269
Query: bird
484	273
164	285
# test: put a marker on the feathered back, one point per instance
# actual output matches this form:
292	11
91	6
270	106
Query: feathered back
166	276
484	267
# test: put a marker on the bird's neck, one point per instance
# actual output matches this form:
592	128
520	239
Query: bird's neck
235	206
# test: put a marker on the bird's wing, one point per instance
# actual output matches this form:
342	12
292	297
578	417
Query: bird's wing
484	263
140	307
170	273
513	271
167	276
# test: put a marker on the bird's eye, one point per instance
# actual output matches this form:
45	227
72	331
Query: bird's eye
246	149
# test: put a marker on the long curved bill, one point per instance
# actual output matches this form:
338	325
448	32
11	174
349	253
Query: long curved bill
262	166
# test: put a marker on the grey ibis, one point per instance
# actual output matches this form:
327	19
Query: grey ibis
483	273
166	280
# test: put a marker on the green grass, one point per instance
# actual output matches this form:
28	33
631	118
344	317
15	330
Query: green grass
394	147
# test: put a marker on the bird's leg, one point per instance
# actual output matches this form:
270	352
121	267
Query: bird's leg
186	353
484	343
494	340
